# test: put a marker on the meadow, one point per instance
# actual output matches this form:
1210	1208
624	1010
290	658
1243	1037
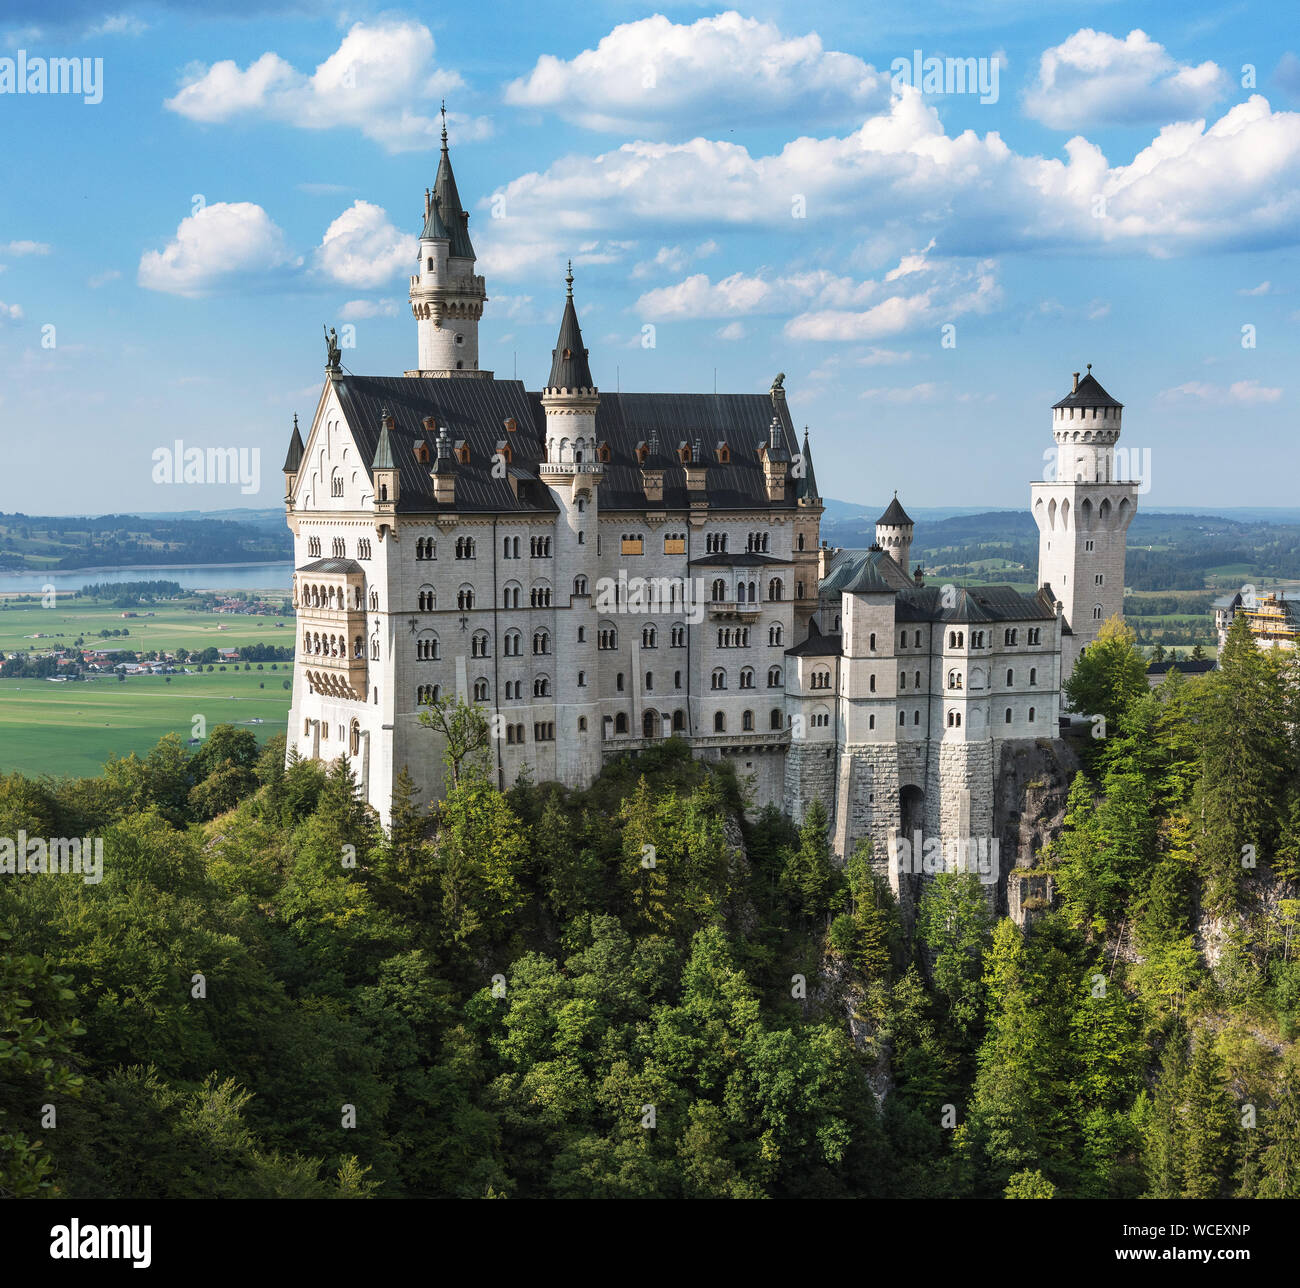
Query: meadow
169	628
72	727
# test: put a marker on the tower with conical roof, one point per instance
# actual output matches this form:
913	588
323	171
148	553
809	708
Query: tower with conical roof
1083	510
894	533
807	527
447	297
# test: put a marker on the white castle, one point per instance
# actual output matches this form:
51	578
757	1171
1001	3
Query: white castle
602	571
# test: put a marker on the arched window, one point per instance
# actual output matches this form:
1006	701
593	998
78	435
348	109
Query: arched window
620	722
480	690
718	679
719	722
954	679
541	687
773	677
541	642
774	720
1033	675
775	635
580	585
747	677
775	590
1031	715
1011	678
426	647
648	637
747	722
719	590
513	643
465	598
1006	718
478	645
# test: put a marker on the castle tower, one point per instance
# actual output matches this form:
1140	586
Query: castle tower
572	470
447	297
1083	510
894	534
807	525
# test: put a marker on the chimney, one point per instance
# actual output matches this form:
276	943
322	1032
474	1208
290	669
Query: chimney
1076	382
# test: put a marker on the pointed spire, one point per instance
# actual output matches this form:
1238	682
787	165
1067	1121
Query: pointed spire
384	449
894	516
569	366
294	457
447	201
807	489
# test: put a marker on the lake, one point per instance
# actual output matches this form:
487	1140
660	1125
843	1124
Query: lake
255	576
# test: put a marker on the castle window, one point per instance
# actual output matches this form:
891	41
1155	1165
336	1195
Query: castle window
363	549
541	643
580	585
679	721
462	448
465	598
478	645
871	683
902	717
632	544
648	637
774	721
649	681
1096	612
775	635
424	548
340	548
1031	715
513	643
582	724
620	722
608	638
674	544
544	731
677	637
798	590
1007	716
747	677
336	483
719	590
773	677
313	547
427	694
541	687
618	682
1033	675
917	678
464	547
718	679
480	690
916	717
747	722
510	595
1098	579
954	679
374	600
918	639
724	453
871	642
426	648
426	599
602	453
540	596
902	679
799	541
719	722
775	590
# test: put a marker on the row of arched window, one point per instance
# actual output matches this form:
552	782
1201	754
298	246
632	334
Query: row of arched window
718	680
314	595
747	591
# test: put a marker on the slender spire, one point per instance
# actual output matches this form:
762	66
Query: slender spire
444	125
446	201
569	366
807	489
294	457
384	449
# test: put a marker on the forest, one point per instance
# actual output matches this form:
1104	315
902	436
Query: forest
636	991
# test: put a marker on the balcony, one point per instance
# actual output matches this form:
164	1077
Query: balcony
335	676
732	609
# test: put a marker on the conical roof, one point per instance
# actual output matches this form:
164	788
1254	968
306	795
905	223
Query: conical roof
569	366
1089	393
384	448
894	516
807	489
293	458
447	202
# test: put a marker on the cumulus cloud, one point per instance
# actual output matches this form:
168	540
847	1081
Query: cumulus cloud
732	331
25	248
361	248
223	244
673	259
382	80
103	279
1242	392
10	312
1094	78
653	74
1197	187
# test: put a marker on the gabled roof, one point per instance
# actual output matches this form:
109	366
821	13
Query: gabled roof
973	605
894	516
817	644
474	411
864	572
569	366
1088	394
741	559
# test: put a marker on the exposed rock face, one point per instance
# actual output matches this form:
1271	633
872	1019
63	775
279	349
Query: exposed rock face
1029	799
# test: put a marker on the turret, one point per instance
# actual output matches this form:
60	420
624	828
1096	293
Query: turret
570	400
292	464
894	533
447	297
383	469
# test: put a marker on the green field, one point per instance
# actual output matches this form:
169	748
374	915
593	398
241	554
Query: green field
73	727
170	628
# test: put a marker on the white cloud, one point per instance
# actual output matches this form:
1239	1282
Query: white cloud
732	331
1264	288
222	244
1244	392
10	312
654	72
103	279
362	248
925	392
25	248
356	310
673	259
118	24
883	358
1233	184
1094	78
382	80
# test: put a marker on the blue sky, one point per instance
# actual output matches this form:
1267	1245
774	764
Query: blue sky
760	186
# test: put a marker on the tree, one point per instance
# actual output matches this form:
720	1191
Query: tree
1109	675
466	736
1029	1185
809	880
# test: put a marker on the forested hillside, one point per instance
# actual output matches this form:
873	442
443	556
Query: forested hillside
629	992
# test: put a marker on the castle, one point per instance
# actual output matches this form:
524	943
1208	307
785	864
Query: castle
602	571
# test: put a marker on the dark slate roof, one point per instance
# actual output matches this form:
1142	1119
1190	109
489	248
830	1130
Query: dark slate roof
974	604
449	207
569	366
741	559
1186	666
331	565
434	227
807	488
817	644
293	458
864	572
1089	394
895	516
475	409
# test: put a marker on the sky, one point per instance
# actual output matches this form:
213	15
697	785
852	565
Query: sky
742	192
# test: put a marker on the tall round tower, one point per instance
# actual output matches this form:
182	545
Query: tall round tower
447	297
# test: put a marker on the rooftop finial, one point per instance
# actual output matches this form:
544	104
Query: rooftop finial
1090	366
568	280
295	421
444	124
